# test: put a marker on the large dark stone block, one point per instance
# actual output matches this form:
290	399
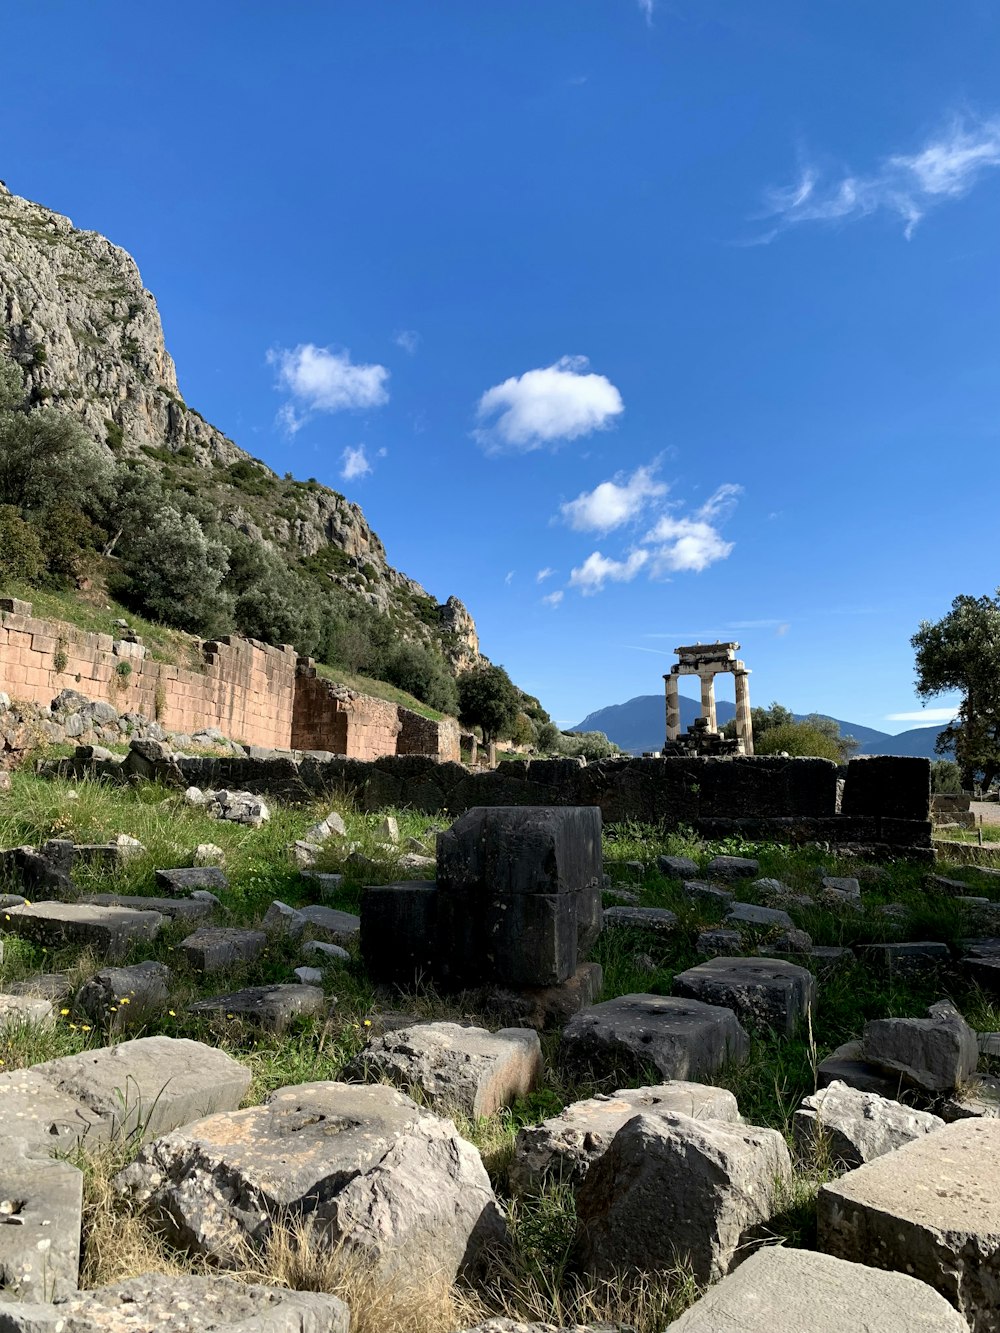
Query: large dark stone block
399	932
889	785
906	832
506	850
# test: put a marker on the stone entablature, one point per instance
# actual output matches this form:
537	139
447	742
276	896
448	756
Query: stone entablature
706	660
251	692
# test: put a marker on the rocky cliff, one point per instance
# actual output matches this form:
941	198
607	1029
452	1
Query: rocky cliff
88	338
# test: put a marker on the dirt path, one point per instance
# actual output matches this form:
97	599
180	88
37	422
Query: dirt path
986	812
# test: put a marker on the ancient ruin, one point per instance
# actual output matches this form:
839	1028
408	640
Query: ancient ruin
703	737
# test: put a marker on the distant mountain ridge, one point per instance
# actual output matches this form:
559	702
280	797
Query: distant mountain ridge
640	724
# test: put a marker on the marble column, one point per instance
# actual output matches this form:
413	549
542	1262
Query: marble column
708	699
673	707
744	722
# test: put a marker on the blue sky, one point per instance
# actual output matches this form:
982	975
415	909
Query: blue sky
627	323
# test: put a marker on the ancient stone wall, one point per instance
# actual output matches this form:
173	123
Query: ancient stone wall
251	692
761	799
244	688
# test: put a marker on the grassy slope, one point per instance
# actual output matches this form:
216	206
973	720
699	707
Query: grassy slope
537	1279
97	615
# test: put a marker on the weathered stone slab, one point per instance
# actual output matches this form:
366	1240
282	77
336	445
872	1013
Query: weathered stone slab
912	958
40	1116
20	1010
679	1039
283	920
937	1053
840	888
847	1065
743	915
180	909
729	868
41	1209
565	1147
781	1290
126	996
930	1209
43	985
271	1007
658	919
549	1007
110	930
185	878
398	928
464	1070
153	1083
849	1127
677	867
372	1170
764	992
214	948
979	1096
698	890
330	923
325	953
672	1189
181	1305
719	943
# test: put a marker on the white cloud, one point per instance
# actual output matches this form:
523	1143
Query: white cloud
544	574
596	570
693	543
613	503
554	598
544	406
947	167
322	380
354	463
509	577
408	339
647	7
928	715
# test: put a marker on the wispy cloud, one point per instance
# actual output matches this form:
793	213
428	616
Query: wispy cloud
646	7
320	379
546	406
554	598
408	339
354	463
544	574
596	570
613	503
508	578
908	185
928	715
694	542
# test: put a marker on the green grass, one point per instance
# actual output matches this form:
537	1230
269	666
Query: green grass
379	689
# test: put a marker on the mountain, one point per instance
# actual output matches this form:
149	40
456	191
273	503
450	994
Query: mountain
640	725
88	338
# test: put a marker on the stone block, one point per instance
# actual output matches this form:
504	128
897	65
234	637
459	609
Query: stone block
719	943
847	1065
399	932
37	1115
331	924
762	992
152	1084
371	1170
673	1189
19	1011
677	867
679	1039
656	919
912	958
122	997
281	919
185	878
215	948
179	909
508	850
899	787
728	868
272	1007
750	916
932	1210
937	1053
782	1290
848	1127
550	1007
565	1147
181	1304
840	888
41	1210
698	890
459	1070
325	953
110	930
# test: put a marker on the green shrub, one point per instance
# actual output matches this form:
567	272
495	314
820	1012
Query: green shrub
21	556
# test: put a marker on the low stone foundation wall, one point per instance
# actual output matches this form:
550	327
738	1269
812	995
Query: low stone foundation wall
884	806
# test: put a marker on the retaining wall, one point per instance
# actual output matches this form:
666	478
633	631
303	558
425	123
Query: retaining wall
253	693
